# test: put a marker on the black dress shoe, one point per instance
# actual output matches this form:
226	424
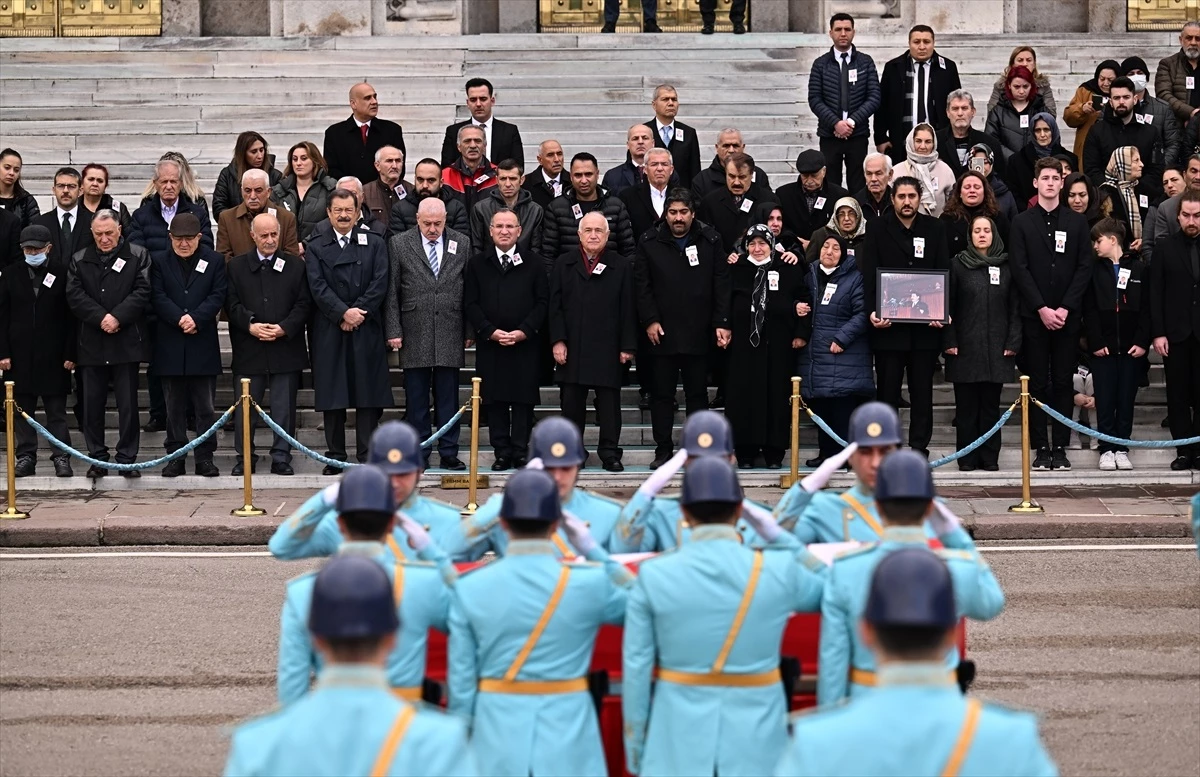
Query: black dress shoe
651	25
990	467
745	464
173	469
707	29
660	459
96	472
903	403
644	400
206	469
279	468
609	27
62	467
520	462
613	466
331	470
717	401
155	425
814	463
25	466
1181	463
739	28
966	467
499	465
774	465
239	469
130	474
453	463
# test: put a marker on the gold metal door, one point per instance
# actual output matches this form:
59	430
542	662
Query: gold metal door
79	18
1160	14
588	15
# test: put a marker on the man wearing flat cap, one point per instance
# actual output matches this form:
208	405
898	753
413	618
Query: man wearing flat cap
37	344
807	204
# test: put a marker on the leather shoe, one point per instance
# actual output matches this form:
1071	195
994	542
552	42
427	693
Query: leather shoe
609	27
651	25
155	425
279	468
452	463
707	29
499	465
206	469
660	459
173	469
739	28
25	466
62	467
239	469
96	472
131	474
814	463
331	470
614	465
644	400
718	400
1181	463
519	463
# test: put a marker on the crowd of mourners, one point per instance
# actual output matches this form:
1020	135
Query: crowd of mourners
910	242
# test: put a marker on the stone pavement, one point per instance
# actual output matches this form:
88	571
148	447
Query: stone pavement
202	517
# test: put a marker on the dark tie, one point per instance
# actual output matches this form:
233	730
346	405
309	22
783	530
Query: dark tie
921	93
66	232
364	129
265	262
505	263
639	173
846	84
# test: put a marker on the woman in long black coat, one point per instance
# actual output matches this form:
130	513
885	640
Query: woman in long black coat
765	328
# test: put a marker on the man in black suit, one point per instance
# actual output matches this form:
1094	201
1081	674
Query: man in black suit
70	224
711	178
956	139
675	136
548	181
727	209
638	140
350	145
503	139
807	203
268	304
913	89
1175	324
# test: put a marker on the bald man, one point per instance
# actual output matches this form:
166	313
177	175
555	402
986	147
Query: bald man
389	187
350	145
638	140
549	180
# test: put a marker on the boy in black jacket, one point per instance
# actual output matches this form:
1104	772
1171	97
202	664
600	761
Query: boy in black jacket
1116	322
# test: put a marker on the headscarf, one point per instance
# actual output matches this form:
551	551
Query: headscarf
1116	175
1055	135
758	296
1093	86
832	227
1020	71
922	167
970	256
1093	211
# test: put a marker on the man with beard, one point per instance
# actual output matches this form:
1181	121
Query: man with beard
427	182
560	230
876	197
711	178
1177	80
807	203
727	209
954	142
1120	125
472	173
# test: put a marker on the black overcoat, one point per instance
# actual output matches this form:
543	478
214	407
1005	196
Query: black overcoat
594	315
266	295
37	331
509	300
177	291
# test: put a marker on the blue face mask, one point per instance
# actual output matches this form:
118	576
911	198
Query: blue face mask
36	260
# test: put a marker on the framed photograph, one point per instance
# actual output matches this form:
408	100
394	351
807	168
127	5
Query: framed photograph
912	296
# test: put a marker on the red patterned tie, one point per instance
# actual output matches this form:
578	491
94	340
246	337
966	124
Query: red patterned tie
364	129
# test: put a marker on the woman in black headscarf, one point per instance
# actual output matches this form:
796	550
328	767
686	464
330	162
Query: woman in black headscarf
1089	101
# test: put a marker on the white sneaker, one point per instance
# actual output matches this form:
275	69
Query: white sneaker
1123	460
1108	461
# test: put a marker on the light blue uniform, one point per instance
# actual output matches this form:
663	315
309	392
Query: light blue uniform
1196	520
494	612
424	603
312	531
482	532
652	524
831	516
341	728
681	614
911	725
976	593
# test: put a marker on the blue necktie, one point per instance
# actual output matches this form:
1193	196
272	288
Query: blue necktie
433	258
667	133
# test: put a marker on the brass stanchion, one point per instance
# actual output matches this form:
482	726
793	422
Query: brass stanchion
786	481
248	510
10	404
472	504
1026	505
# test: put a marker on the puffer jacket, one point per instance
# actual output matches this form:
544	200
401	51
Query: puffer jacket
1004	124
404	212
228	191
1170	85
844	320
147	228
560	228
1045	91
24	206
313	209
1156	113
1108	134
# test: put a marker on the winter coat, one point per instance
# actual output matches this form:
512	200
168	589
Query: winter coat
198	292
842	320
958	230
96	288
595	316
529	215
793	204
404	212
148	229
233	230
37	330
1004	198
713	177
718	210
427	311
1004	123
689	297
228	191
1170	84
1020	171
1108	134
985	321
825	92
23	205
1115	318
1074	115
276	294
315	206
1169	150
1044	90
560	224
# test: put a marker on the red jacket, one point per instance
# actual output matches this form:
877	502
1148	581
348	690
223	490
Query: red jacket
470	185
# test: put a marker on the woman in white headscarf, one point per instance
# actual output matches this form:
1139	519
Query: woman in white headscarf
923	163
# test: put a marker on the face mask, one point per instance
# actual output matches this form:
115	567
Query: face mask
1139	82
827	270
37	260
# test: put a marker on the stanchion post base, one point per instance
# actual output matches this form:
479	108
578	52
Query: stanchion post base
13	515
470	509
1026	507
458	482
785	481
247	511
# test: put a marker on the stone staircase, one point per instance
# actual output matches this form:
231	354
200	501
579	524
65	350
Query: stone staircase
125	101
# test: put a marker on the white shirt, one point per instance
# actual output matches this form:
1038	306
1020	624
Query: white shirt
843	60
553	183
359	124
338	237
658	127
499	254
658	199
59	213
262	258
439	243
917	90
168	211
487	134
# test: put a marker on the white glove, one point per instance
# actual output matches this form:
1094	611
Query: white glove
763	523
418	538
663	474
821	475
578	534
330	492
943	521
535	463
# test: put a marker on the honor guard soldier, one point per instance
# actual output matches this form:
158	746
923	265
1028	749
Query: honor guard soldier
920	724
395	448
1196	520
351	723
824	516
366	515
904	496
558	446
710	617
522	631
651	523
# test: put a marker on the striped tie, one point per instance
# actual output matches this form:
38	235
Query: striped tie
433	258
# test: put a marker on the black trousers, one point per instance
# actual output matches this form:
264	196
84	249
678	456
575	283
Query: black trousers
1050	359
55	407
853	152
124	378
1115	382
890	367
708	11
977	409
573	400
283	387
836	412
612	9
508	428
367	418
645	363
196	391
667	373
1182	366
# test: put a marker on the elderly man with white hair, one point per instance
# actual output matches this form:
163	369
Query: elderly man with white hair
390	187
366	220
712	178
424	321
233	227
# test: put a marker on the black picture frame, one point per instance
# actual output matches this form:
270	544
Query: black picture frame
894	290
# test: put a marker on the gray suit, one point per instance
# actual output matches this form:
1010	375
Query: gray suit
1166	220
427	312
